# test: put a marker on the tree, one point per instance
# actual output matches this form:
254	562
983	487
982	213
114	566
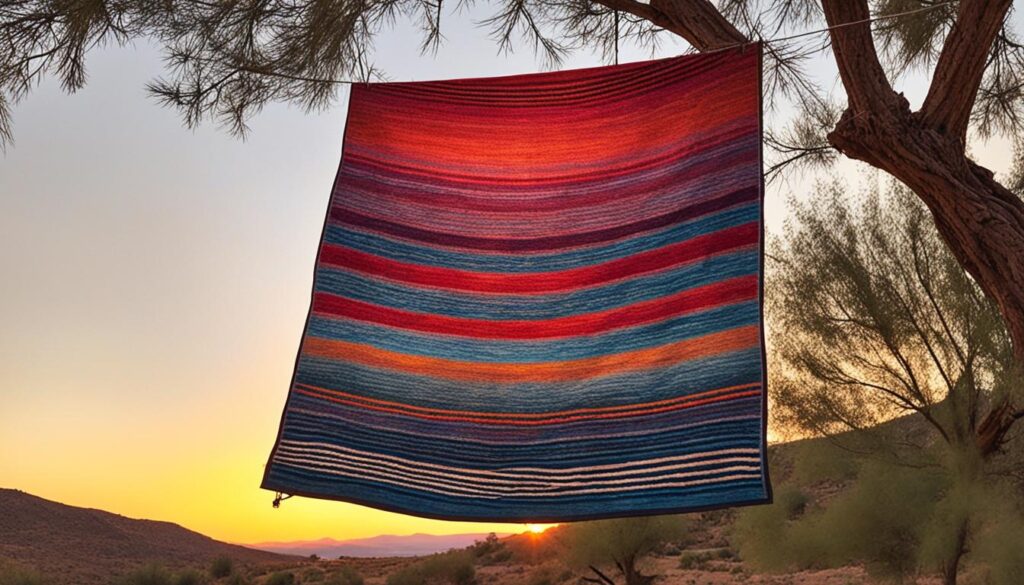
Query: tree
622	543
874	320
227	58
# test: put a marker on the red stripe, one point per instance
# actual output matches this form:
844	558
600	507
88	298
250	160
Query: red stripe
356	399
687	301
543	282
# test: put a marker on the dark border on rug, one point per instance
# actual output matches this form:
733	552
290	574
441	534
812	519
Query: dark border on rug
769	495
525	519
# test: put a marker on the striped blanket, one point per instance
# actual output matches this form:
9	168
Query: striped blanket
538	298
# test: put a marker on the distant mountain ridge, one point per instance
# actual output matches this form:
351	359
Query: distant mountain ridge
85	546
386	545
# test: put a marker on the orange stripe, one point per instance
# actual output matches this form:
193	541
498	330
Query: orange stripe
358	400
549	421
581	369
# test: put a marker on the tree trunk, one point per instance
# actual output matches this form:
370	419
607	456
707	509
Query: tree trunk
952	566
634	577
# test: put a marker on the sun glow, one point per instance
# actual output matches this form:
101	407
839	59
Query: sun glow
536	528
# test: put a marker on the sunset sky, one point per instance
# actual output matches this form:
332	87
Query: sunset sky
155	281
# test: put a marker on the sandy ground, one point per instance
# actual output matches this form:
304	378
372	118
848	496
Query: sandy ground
375	571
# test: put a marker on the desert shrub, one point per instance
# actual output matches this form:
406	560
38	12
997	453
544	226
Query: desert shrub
995	514
147	575
312	575
237	579
221	567
549	575
346	575
280	578
670	549
768	539
881	521
1000	551
189	577
542	576
13	575
455	568
487	546
491	551
820	460
692	559
527	549
792	501
698	559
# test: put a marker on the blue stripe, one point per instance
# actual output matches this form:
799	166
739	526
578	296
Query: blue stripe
356	286
552	350
692	418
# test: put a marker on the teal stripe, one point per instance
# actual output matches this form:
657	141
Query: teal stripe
403	251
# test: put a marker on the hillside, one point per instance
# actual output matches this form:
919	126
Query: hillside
86	546
385	545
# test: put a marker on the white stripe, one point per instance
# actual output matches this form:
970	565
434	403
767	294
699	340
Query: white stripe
429	487
618	467
550	489
320	455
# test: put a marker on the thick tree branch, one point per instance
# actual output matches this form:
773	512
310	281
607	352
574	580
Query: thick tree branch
961	66
646	12
697	21
867	88
700	23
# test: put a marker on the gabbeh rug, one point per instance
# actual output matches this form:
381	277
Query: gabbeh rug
538	298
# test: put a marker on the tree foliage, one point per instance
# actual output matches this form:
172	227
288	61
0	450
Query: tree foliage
618	546
888	348
226	59
874	319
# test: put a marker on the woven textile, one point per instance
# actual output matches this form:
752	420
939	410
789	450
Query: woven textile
538	298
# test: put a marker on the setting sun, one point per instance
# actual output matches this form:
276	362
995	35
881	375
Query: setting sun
537	528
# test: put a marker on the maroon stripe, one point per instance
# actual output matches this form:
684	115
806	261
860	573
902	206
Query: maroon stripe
348	217
365	185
